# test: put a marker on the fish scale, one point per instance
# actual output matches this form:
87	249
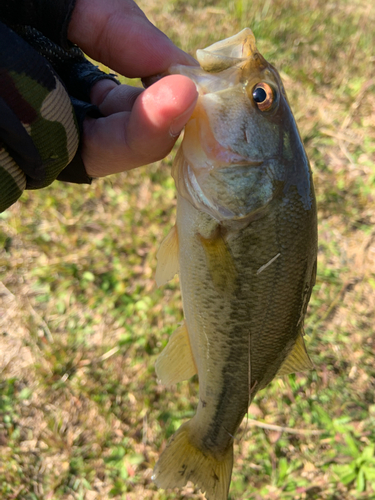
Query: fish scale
245	247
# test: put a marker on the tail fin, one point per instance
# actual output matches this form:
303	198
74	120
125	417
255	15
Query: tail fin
182	461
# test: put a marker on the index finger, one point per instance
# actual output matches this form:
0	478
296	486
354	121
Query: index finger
118	34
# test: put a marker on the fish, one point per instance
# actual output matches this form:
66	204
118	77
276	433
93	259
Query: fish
245	248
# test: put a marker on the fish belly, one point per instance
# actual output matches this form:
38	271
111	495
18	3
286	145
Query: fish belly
221	357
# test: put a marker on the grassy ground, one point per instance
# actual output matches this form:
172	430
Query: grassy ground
82	322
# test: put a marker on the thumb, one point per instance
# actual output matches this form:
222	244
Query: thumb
129	139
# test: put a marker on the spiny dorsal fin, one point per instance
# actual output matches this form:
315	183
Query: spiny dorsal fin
176	362
298	360
168	264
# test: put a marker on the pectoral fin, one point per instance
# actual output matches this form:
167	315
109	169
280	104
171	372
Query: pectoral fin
176	362
168	264
298	360
220	262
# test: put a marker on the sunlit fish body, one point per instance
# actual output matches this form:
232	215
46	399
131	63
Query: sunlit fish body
244	246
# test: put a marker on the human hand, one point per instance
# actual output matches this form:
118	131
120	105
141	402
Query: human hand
139	126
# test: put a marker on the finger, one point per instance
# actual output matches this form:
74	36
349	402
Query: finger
100	90
112	98
126	140
163	108
118	34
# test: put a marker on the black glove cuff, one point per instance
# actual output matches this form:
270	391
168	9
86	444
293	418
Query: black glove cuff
50	17
77	73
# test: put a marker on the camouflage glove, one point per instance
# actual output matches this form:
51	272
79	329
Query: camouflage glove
38	129
44	98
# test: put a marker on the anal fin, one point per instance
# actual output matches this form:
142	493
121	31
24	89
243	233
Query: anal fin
298	360
168	264
176	362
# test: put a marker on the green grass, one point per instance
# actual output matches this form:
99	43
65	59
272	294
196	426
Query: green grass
82	322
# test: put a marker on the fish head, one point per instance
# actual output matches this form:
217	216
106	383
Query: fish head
241	148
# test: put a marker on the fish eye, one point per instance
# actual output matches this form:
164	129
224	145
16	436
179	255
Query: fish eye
263	96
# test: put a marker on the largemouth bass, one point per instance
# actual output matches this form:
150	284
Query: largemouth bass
245	248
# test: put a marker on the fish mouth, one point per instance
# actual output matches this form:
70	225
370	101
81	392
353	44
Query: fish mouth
222	64
229	52
217	170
